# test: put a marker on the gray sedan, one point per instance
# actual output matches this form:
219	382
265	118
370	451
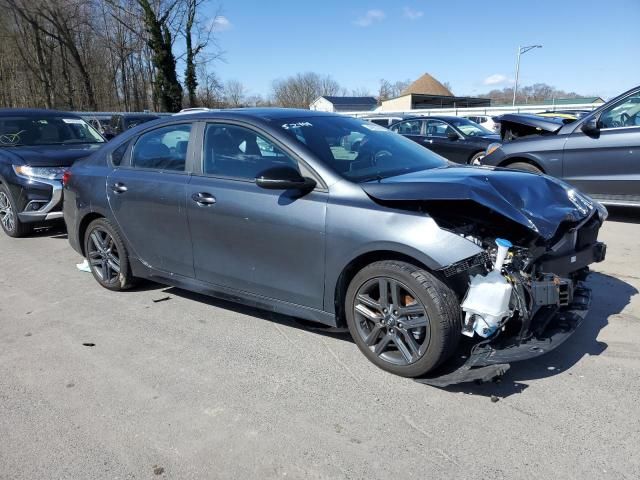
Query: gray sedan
342	222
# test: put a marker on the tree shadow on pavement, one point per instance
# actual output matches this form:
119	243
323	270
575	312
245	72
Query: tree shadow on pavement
609	297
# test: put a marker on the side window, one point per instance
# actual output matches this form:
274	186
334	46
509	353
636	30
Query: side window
437	128
410	127
231	151
624	114
118	154
163	148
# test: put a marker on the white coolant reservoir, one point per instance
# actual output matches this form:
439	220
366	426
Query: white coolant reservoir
486	304
503	248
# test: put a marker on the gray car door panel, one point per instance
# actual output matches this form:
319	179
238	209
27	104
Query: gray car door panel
606	165
151	213
266	242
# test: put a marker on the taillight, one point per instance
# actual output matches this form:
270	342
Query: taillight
66	176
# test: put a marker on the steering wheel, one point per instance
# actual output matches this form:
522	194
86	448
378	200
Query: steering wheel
625	119
380	155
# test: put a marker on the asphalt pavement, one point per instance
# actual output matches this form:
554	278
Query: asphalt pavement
162	383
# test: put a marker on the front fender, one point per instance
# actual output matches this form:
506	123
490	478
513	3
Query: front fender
411	234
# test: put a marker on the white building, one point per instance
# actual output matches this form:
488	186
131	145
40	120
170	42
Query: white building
343	104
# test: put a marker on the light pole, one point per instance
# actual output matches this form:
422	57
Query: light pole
521	51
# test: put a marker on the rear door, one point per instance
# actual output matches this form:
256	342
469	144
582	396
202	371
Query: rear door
438	140
412	129
607	164
147	197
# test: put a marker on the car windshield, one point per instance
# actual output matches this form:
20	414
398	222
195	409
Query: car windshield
359	150
131	122
18	131
469	128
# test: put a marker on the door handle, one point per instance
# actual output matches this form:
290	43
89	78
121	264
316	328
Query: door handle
203	199
119	187
427	140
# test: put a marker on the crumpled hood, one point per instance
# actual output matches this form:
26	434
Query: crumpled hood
538	202
53	155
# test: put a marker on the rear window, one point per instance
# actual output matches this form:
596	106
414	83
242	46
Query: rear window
18	131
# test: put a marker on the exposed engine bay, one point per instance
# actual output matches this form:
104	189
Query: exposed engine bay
521	293
515	297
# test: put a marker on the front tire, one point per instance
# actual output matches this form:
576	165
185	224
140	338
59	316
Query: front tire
9	220
404	319
475	159
107	256
524	166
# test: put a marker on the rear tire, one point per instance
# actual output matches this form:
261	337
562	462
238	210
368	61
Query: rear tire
107	256
9	220
527	167
409	332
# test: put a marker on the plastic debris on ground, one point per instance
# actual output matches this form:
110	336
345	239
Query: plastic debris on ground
84	266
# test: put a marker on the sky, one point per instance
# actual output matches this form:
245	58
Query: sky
590	47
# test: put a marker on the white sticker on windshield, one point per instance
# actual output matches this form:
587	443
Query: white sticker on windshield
374	127
73	120
288	126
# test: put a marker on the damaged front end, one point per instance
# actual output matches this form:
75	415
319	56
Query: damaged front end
523	294
521	302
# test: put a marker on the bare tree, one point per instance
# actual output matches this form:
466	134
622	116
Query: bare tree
300	90
198	36
389	90
167	89
234	93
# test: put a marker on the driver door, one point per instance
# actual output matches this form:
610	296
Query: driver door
269	243
606	164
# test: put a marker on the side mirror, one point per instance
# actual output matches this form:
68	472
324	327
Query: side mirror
284	178
590	127
452	135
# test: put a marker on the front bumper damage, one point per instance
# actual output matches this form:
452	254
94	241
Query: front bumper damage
491	358
548	303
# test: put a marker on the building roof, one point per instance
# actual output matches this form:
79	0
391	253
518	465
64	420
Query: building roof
427	85
350	100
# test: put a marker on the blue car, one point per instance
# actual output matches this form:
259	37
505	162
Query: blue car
36	148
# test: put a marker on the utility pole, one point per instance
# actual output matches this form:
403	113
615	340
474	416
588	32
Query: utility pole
521	51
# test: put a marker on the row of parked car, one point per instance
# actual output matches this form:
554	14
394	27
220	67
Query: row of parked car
598	152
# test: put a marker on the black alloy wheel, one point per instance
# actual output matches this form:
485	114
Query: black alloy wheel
404	319
9	220
391	321
107	256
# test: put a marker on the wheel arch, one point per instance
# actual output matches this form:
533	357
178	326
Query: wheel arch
522	159
82	228
357	264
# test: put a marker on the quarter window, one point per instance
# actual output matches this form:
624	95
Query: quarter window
411	127
118	154
163	148
231	151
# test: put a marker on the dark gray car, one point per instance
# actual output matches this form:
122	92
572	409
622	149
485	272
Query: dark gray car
340	221
457	139
599	153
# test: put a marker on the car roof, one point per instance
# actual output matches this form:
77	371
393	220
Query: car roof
36	112
444	118
259	113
